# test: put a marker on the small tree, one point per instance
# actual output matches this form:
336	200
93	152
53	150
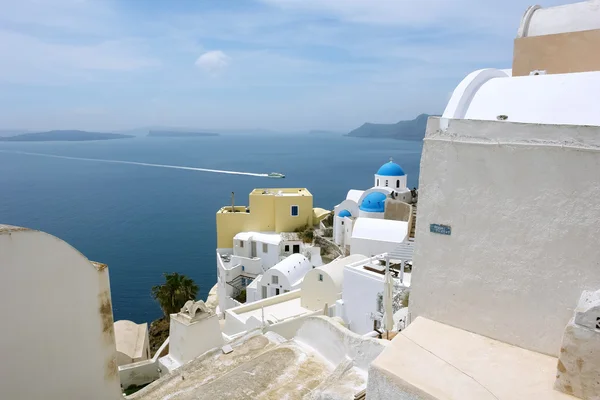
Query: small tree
173	294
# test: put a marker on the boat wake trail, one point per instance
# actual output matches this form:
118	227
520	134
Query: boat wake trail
216	171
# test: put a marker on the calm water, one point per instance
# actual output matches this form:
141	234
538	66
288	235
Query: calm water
144	221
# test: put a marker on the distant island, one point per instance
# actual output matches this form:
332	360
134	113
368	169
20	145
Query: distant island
63	136
403	130
161	133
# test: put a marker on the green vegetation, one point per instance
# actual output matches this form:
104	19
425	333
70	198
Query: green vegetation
241	297
306	234
173	294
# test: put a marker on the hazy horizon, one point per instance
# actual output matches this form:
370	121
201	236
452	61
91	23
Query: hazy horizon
280	65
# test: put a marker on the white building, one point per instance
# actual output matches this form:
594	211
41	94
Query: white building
284	277
364	285
253	255
132	342
376	236
323	286
508	229
57	340
371	205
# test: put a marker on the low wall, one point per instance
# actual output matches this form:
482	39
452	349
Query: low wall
142	372
337	344
289	328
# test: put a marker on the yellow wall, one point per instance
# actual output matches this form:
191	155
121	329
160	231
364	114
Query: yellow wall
262	210
268	213
229	224
284	222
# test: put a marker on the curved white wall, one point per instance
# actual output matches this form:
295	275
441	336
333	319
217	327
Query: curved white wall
58	339
289	272
582	16
569	99
465	91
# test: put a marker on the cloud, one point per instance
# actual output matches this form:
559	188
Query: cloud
213	62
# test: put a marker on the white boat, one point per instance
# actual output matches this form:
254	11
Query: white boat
276	175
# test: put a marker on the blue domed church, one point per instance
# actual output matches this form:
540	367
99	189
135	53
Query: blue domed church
390	185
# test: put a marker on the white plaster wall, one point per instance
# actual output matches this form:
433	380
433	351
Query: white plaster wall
374	215
546	99
271	257
338	230
581	16
283	283
58	338
522	201
316	293
188	341
360	299
391	180
348	226
371	247
465	91
139	373
336	343
289	328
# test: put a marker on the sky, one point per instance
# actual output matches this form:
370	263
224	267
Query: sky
284	65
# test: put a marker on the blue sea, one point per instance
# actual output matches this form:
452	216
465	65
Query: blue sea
144	221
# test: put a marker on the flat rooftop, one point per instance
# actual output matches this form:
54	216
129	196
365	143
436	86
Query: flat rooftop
436	361
277	312
375	267
281	192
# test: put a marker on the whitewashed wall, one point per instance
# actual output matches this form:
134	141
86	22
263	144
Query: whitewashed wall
189	340
522	201
360	298
371	247
57	340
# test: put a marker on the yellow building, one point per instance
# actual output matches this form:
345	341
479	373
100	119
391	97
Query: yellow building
269	210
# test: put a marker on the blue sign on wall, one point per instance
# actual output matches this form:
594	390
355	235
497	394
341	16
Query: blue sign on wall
441	229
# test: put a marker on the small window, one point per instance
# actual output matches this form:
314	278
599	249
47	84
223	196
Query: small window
287	248
398	183
296	248
264	292
342	222
320	277
377	182
386	183
275	280
243	268
242	244
265	248
294	211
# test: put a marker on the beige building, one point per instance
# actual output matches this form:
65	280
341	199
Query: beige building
269	210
